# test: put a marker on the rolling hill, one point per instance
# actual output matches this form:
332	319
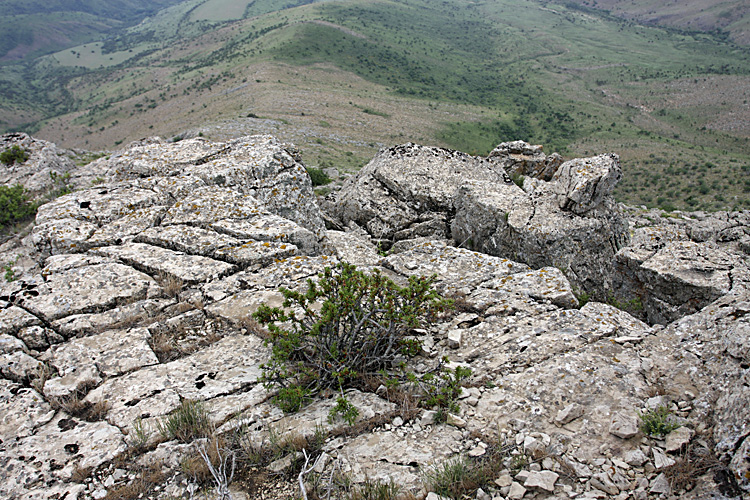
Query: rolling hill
342	79
34	27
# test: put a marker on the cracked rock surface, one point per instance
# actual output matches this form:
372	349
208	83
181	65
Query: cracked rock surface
141	291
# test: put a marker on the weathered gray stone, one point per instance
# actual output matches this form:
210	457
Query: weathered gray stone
113	353
38	338
86	289
36	173
9	344
407	186
273	228
354	249
546	284
624	426
67	443
516	491
602	482
636	458
190	269
455	267
660	485
18	366
14	318
680	278
531	228
72	384
582	184
678	438
156	390
661	460
521	158
23	410
123	315
568	414
544	480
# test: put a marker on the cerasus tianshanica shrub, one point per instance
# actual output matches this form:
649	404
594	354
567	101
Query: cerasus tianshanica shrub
15	205
13	155
318	176
346	326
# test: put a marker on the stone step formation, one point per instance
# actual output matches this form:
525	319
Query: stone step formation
574	313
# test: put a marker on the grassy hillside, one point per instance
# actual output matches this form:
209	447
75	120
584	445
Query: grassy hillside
730	18
33	27
341	79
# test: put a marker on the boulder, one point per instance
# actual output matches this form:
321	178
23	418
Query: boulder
413	191
582	184
520	158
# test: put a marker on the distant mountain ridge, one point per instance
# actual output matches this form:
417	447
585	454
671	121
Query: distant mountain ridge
728	16
31	27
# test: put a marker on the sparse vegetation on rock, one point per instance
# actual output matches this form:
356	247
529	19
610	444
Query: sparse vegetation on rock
346	326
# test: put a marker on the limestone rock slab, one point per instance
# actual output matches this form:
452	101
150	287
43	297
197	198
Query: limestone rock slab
390	193
210	204
190	269
457	267
65	443
122	315
546	284
14	318
270	227
22	410
88	289
354	249
581	184
681	277
113	353
521	158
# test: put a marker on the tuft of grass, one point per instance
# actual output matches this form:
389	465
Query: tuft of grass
172	285
453	478
138	438
189	422
657	421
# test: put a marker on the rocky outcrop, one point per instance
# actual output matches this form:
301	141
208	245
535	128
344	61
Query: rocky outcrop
570	222
37	174
145	285
520	158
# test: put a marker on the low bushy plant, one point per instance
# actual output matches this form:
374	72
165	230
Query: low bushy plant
15	205
14	154
658	421
443	387
347	326
318	176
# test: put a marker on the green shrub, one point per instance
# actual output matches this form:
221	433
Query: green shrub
15	205
443	387
13	155
318	176
346	327
657	421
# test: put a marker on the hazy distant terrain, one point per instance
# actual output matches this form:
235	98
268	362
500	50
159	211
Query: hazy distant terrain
38	26
342	79
730	17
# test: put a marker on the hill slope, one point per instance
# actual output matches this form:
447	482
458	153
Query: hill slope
729	17
341	79
30	27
